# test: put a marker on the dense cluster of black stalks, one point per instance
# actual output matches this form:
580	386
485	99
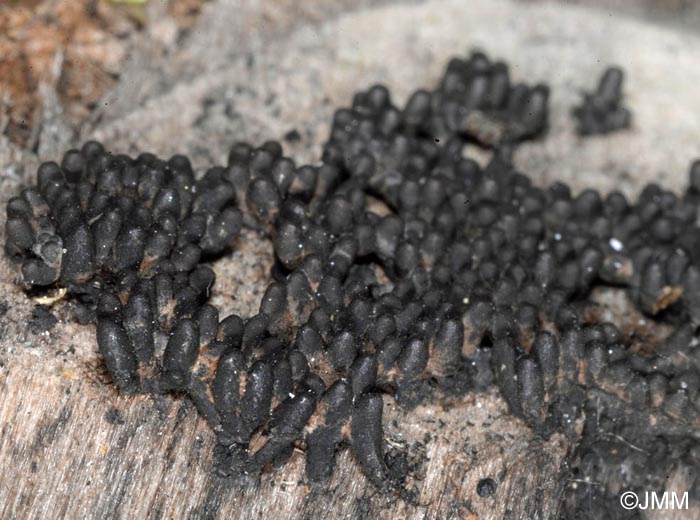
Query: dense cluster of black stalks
401	268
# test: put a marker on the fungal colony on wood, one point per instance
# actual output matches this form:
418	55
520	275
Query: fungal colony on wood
401	267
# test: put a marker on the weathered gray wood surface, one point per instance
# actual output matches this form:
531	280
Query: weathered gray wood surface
72	447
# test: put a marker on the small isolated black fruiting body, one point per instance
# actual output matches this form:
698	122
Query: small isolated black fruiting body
401	268
486	487
602	112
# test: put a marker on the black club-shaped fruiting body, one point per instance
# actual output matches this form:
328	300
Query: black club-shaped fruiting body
602	112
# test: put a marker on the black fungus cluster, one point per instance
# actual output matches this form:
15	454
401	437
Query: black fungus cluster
601	112
402	268
98	220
